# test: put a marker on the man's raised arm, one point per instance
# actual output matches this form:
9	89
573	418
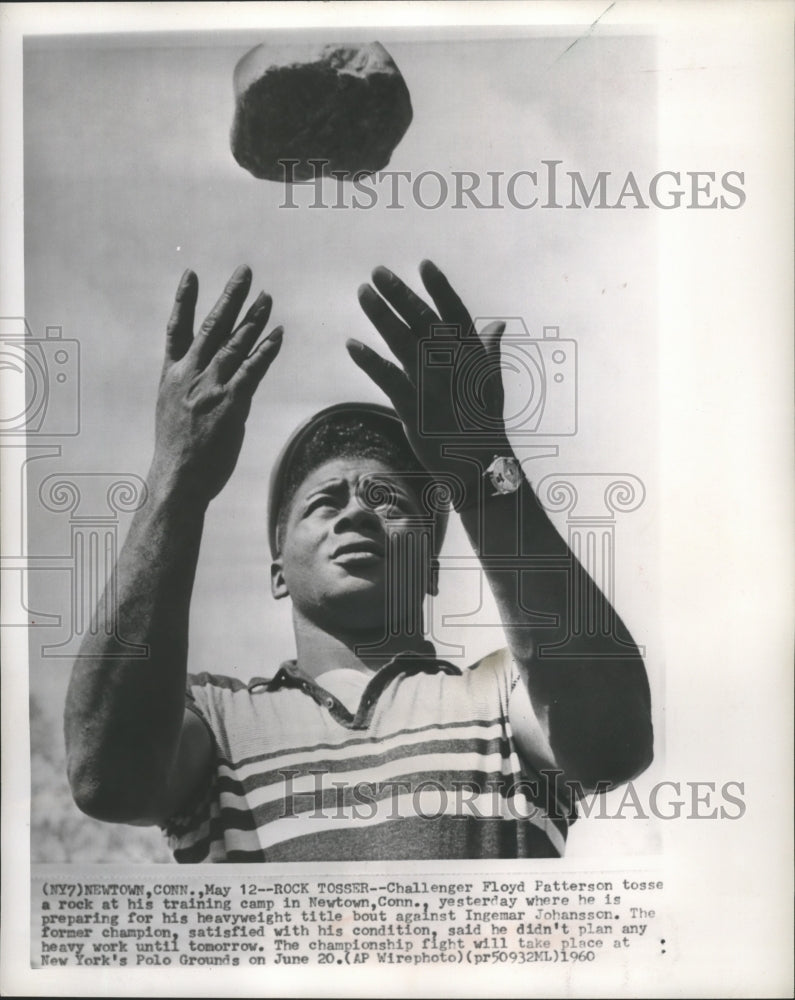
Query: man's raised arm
593	698
133	752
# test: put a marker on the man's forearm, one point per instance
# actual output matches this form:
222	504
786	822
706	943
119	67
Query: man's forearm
583	670
124	713
130	758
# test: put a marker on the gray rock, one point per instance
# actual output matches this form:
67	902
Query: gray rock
346	104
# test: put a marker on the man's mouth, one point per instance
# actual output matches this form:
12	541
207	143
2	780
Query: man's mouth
359	551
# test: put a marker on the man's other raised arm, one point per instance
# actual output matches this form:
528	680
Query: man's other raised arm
134	754
593	700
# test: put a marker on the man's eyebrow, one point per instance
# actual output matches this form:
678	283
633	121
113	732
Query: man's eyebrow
329	484
395	484
396	481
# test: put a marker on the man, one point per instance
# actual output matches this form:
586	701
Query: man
367	746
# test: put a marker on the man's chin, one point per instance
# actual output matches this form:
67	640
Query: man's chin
359	602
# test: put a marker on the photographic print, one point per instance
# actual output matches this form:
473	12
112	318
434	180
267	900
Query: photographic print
348	439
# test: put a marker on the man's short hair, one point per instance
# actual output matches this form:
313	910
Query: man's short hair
345	430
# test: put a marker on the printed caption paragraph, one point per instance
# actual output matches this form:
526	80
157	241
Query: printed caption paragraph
243	921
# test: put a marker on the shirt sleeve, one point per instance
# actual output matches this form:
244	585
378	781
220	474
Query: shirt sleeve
532	744
195	814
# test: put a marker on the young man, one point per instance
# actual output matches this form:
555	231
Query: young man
366	746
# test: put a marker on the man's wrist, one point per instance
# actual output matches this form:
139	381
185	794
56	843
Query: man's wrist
169	486
505	475
492	461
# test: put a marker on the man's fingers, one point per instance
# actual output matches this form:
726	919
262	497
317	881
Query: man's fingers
231	355
417	313
251	372
179	331
448	304
389	379
491	337
399	339
221	318
256	308
491	371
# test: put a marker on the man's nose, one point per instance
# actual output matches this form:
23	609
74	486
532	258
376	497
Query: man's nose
357	514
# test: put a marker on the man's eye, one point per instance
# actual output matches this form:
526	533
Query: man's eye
395	507
320	502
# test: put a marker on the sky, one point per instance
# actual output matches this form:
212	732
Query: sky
129	179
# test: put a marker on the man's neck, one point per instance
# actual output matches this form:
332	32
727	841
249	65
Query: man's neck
319	650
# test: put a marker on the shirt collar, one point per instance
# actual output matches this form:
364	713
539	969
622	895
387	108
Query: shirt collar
290	675
423	659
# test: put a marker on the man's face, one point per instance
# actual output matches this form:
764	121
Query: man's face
347	562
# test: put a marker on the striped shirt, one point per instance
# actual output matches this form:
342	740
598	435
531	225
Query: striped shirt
424	767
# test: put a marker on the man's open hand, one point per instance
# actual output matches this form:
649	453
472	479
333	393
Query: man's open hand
432	398
207	385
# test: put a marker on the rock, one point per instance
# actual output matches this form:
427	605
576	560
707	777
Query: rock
347	104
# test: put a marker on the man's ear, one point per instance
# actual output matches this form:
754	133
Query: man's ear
278	583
